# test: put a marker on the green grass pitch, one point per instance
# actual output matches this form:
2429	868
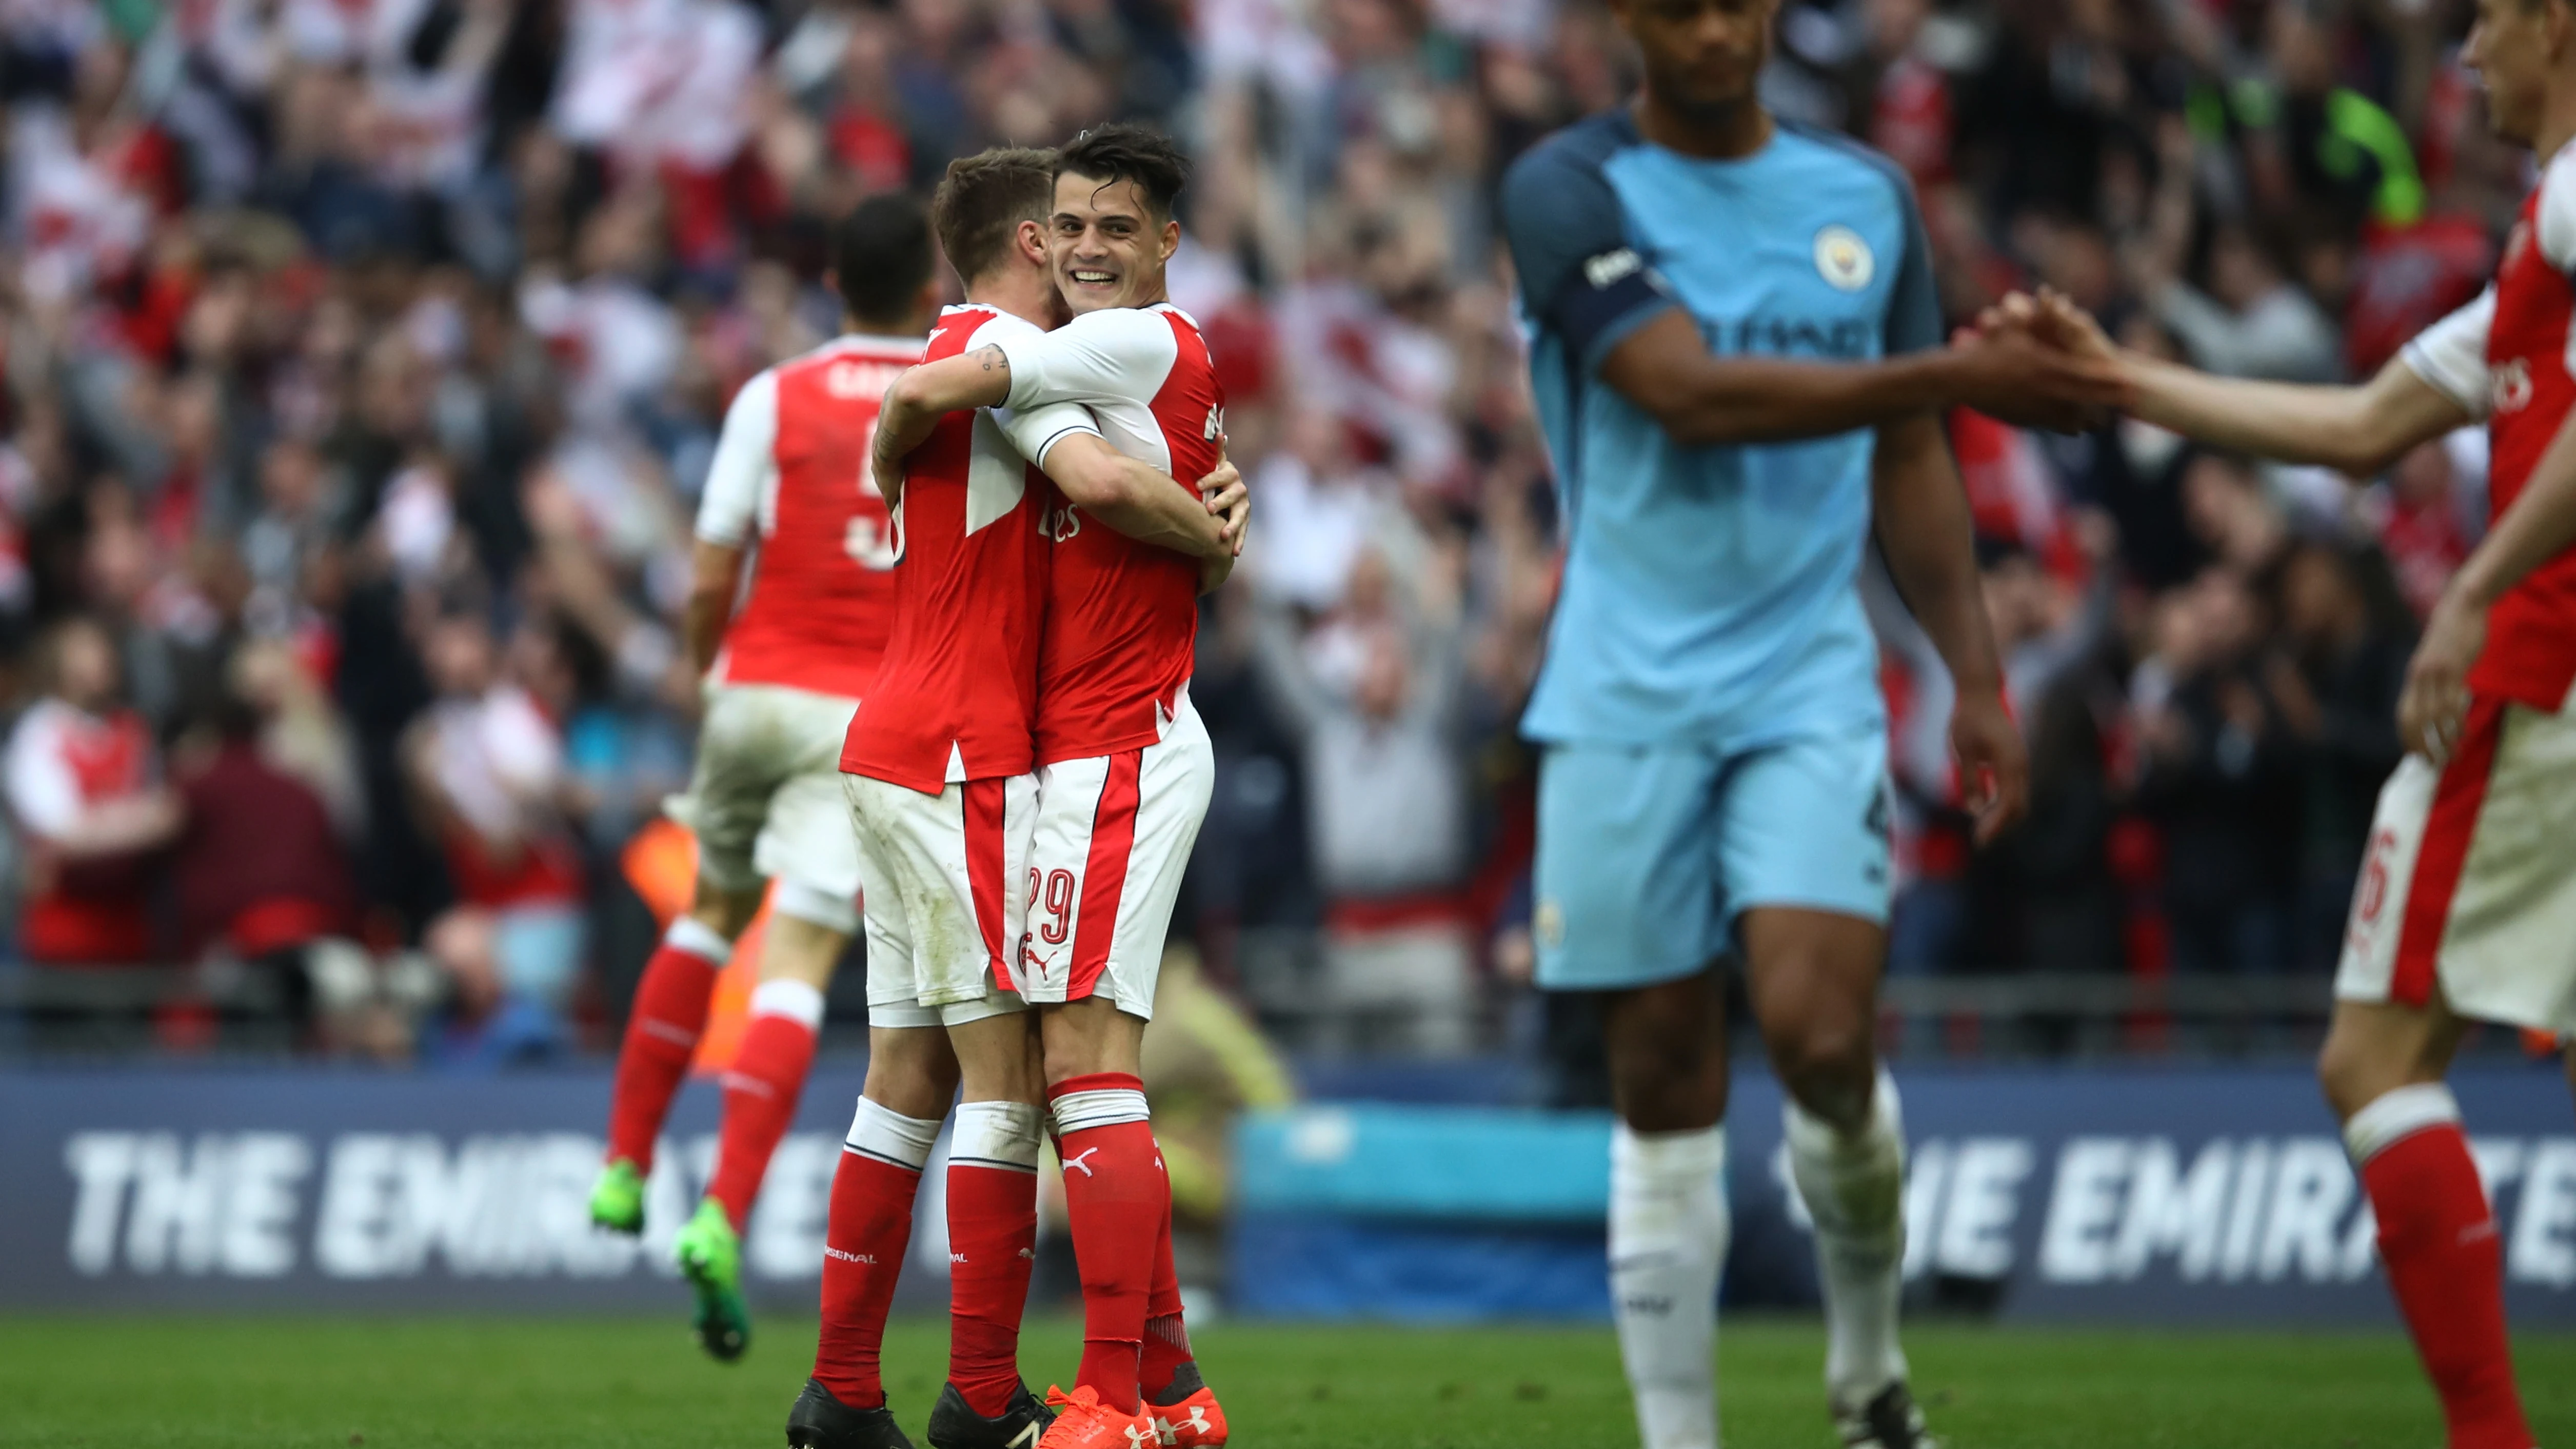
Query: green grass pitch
283	1383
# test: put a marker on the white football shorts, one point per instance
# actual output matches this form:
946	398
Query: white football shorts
2470	881
944	876
765	799
1113	837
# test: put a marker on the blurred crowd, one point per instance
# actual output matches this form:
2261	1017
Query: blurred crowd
363	360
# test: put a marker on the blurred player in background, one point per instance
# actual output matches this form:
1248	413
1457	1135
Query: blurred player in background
784	673
1737	360
940	770
2466	908
1124	765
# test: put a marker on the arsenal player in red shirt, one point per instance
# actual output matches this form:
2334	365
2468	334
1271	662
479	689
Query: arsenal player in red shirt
2466	897
1124	766
938	772
789	497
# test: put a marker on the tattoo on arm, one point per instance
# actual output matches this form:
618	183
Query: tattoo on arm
992	356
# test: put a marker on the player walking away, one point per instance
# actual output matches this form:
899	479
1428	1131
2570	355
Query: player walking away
766	797
939	778
2467	902
1736	356
1124	766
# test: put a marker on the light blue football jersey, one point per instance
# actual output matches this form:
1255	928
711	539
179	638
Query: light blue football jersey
1710	593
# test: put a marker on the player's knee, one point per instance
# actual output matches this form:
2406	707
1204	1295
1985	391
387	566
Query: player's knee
1827	1063
798	949
1667	1075
725	911
2351	1074
911	1071
1067	1054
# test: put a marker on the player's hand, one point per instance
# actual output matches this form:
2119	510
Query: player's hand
2010	374
1994	767
1228	498
2051	319
2058	322
2434	708
887	473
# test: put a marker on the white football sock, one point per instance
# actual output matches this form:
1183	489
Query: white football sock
1854	1187
1668	1235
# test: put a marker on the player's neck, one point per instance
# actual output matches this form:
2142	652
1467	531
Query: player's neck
1027	293
1728	133
854	325
2557	123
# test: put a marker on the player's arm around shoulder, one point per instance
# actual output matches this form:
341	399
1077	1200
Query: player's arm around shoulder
1114	355
923	394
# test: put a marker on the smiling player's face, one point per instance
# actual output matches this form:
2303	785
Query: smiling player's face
1700	55
1104	245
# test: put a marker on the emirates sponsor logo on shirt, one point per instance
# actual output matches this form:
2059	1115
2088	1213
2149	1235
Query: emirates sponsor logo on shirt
1061	523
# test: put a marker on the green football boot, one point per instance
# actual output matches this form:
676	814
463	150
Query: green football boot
710	1256
617	1199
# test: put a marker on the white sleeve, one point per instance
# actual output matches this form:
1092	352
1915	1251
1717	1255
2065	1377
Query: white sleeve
42	793
1034	430
2451	355
745	466
1119	354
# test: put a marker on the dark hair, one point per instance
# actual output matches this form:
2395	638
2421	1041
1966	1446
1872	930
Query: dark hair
880	257
1124	152
982	201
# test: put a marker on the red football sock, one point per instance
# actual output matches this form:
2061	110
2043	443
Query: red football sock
1115	1193
661	1035
869	1228
760	1092
2445	1263
1167	1339
992	1245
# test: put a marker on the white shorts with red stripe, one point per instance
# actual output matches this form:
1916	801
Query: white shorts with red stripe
1113	837
943	875
2470	883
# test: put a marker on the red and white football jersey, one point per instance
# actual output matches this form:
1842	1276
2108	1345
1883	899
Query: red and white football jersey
1122	617
956	697
62	763
2510	357
793	462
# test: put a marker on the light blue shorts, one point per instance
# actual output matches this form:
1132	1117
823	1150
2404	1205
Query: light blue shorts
1647	853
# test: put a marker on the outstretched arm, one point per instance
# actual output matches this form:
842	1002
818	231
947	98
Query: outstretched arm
1591	290
1924	532
1701	399
2424	392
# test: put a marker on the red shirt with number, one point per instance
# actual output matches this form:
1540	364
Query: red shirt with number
792	467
